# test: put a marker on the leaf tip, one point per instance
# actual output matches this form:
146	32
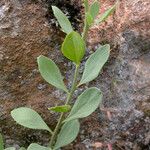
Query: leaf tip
39	57
53	7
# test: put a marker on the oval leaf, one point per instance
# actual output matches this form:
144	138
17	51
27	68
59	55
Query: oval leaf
35	146
62	19
50	72
10	148
63	108
1	142
68	133
73	47
29	118
94	9
86	104
95	63
106	14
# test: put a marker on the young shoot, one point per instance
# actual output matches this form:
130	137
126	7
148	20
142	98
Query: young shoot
73	48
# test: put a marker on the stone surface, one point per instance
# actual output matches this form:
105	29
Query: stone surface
125	80
25	33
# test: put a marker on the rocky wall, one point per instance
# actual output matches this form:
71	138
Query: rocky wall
27	29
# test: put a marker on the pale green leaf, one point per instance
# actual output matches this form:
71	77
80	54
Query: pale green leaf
63	108
94	9
95	63
68	133
62	19
73	47
35	146
89	19
1	142
86	5
86	104
22	148
10	148
29	118
106	14
50	72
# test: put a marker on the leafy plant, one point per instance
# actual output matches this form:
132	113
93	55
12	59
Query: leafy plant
73	48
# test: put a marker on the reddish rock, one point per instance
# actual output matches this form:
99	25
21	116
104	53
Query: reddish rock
133	15
24	35
125	82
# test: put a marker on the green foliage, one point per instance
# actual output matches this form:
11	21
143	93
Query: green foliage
35	146
86	103
89	19
1	142
95	63
86	5
22	148
94	9
29	118
10	148
62	19
63	108
50	72
68	133
92	13
106	14
73	47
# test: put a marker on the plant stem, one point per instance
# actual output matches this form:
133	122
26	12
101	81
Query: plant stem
86	26
86	5
74	84
69	96
85	30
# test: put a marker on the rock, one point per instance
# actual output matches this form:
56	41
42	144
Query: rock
125	81
25	34
133	15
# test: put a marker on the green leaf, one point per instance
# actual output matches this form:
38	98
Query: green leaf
86	5
22	148
106	14
35	146
1	142
68	133
89	19
62	19
73	47
94	9
86	104
29	118
50	72
63	108
95	63
10	148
